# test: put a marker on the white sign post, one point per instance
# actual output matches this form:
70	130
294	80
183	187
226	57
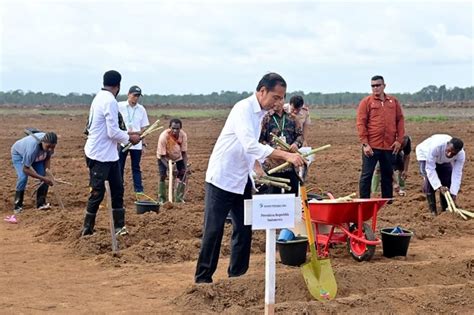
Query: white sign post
271	212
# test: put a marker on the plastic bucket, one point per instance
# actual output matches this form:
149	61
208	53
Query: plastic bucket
146	206
395	244
293	253
286	235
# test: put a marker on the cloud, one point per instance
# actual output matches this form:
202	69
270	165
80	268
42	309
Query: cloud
208	40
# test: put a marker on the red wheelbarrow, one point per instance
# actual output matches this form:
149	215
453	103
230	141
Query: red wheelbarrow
349	217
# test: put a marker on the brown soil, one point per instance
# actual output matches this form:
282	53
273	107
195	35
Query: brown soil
47	267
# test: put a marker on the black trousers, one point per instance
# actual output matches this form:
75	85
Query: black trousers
444	172
218	203
163	169
99	172
385	159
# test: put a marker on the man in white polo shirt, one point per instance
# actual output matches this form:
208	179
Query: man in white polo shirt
102	157
136	120
441	159
236	152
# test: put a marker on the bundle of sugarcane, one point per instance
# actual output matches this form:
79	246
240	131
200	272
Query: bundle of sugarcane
276	179
273	181
345	198
282	143
453	208
152	128
286	164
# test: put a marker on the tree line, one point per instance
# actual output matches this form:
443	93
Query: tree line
430	93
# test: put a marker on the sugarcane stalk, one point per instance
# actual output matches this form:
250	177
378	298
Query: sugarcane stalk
60	181
344	198
286	164
154	127
467	213
273	183
275	179
452	205
348	197
282	143
448	201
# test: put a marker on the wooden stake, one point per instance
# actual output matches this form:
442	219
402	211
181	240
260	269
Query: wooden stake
115	248
170	180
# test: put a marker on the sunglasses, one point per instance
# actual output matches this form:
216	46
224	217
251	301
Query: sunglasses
376	85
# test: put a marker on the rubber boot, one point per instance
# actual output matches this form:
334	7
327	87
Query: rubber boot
89	222
18	201
180	192
432	203
41	196
443	202
119	221
162	193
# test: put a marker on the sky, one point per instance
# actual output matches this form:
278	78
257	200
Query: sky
181	47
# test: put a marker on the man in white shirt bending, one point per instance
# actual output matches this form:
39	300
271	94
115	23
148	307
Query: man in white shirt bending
441	159
236	152
136	120
102	157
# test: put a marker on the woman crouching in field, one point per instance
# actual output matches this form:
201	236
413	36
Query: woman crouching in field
31	156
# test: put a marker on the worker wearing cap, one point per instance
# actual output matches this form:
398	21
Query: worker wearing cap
136	120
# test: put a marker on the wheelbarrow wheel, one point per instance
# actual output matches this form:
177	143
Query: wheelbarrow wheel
359	250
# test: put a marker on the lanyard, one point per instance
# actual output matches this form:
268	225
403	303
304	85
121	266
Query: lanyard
282	124
130	118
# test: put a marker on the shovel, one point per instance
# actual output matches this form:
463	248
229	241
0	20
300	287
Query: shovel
317	273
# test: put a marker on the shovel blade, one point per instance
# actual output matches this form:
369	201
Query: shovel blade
319	278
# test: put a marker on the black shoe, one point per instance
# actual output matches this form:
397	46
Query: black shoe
201	281
86	232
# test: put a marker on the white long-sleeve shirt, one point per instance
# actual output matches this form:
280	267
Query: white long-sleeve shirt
237	147
104	131
433	151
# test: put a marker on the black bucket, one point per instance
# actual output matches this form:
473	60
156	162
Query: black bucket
395	244
293	253
146	206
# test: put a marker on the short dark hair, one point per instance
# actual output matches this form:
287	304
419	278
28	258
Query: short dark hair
270	80
457	144
297	101
377	77
176	121
50	137
112	78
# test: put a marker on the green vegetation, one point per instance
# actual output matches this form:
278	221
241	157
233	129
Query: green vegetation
420	118
153	112
340	113
44	111
189	113
430	93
